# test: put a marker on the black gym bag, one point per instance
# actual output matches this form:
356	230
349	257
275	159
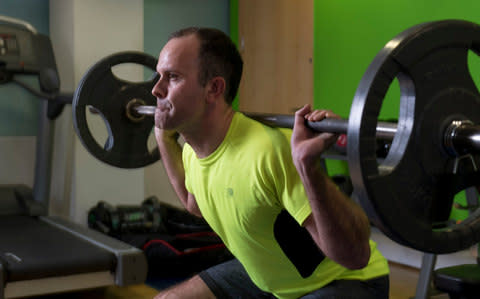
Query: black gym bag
176	243
184	254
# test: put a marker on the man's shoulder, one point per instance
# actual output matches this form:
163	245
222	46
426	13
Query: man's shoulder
254	127
263	139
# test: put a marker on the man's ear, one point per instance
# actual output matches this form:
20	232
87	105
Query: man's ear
216	88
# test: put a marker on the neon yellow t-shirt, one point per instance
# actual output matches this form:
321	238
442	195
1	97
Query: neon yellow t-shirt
242	188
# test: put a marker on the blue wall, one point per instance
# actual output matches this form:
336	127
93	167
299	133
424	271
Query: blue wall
163	17
18	108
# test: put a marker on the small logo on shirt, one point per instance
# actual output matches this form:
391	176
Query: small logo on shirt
229	192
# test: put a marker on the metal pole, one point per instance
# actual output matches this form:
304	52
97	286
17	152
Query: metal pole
424	284
43	159
385	130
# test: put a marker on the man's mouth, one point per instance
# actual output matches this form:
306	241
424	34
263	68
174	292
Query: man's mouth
164	106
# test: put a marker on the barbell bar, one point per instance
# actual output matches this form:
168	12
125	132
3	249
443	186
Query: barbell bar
385	130
460	137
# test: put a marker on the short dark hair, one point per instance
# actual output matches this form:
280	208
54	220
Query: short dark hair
218	56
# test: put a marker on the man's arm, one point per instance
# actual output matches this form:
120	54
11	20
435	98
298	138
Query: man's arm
337	224
171	155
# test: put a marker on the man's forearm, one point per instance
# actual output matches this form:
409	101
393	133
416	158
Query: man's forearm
343	229
171	156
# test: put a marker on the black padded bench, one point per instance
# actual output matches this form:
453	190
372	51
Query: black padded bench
460	282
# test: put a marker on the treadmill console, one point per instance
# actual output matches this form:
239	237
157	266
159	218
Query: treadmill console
8	45
25	51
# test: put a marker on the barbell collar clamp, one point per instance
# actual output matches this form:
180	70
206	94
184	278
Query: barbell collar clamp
462	137
131	111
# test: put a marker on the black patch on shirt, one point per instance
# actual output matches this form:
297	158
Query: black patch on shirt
297	244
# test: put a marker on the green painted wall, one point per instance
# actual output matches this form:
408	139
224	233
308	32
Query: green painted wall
348	35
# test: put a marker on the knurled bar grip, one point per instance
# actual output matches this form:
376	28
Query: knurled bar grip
385	130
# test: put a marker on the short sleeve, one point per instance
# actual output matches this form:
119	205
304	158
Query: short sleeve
287	183
186	158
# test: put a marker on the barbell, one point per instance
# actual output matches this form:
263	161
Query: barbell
459	136
435	146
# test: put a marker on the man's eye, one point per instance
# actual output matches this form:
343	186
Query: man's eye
172	76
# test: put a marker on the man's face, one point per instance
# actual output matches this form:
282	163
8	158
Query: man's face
180	97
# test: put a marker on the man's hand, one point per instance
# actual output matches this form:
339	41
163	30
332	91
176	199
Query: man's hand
308	145
165	136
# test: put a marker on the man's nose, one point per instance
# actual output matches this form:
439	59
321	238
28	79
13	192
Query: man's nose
159	89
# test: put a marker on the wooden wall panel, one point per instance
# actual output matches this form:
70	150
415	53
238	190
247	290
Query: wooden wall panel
276	43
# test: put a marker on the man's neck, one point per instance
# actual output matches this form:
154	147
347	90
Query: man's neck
208	136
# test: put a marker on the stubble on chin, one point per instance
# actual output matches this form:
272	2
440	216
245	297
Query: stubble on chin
163	119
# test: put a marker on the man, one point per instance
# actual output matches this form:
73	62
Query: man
288	225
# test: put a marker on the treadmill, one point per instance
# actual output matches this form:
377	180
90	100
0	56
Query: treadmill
42	254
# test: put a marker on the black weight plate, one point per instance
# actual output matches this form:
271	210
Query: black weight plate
126	146
409	195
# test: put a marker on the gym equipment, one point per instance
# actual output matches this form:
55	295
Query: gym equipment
410	194
435	148
152	216
109	95
124	219
453	282
175	242
462	281
41	254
